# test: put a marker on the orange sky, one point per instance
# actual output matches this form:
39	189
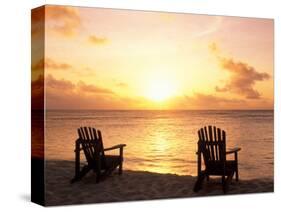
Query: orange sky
124	59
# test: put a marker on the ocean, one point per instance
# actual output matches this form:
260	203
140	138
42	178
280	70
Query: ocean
165	141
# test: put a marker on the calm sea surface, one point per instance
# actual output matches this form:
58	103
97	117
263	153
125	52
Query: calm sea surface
165	141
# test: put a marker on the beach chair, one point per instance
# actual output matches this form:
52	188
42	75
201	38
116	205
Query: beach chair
90	142
212	146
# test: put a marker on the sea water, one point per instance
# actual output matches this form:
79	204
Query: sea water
165	141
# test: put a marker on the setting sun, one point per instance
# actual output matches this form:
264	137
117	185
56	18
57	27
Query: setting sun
160	90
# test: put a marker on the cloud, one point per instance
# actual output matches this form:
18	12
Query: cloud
201	101
37	22
50	64
83	87
207	101
59	85
214	48
37	93
64	94
243	77
242	80
80	87
38	66
63	20
97	40
211	27
121	84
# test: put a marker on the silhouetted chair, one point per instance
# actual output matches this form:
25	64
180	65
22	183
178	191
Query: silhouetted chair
212	145
90	141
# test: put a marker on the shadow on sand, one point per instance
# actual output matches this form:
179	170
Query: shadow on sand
133	185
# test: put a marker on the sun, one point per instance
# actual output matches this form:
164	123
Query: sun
160	90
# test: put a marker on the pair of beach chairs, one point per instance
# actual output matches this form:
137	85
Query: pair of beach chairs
211	146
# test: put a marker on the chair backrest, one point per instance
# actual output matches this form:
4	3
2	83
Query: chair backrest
212	144
92	145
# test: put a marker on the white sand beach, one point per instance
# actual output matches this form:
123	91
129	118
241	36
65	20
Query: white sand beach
134	185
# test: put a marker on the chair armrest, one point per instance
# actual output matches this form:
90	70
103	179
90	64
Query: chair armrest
233	150
119	146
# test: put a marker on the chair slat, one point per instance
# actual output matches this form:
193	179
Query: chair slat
223	146
91	143
206	134
91	133
206	140
217	143
211	142
86	133
199	135
101	142
217	147
202	135
223	135
95	133
84	144
79	134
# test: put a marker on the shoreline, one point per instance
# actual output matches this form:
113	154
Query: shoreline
134	186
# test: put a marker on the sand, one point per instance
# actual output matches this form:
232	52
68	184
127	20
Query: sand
134	185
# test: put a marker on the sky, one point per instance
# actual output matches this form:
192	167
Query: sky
123	59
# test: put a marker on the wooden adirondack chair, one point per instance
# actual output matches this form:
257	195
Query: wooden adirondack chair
212	145
90	141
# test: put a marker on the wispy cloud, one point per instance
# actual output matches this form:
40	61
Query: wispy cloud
208	101
121	85
211	27
37	93
83	87
59	85
97	40
213	47
49	63
62	93
215	102
62	19
37	22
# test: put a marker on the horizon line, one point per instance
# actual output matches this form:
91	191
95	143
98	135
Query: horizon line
157	109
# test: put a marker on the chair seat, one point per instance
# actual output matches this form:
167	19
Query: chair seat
111	161
216	167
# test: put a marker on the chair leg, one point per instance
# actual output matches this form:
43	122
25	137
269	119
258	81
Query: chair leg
98	177
227	182
236	174
121	161
199	182
236	171
120	171
81	174
222	179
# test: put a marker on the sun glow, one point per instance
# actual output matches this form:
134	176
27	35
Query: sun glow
160	90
